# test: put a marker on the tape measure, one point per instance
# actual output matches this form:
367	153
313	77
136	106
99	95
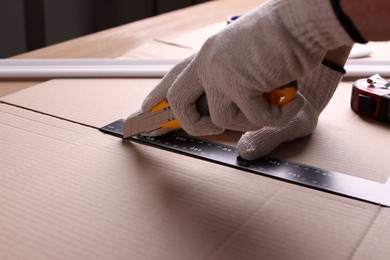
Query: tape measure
297	173
371	97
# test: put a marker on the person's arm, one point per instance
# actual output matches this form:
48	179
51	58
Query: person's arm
370	17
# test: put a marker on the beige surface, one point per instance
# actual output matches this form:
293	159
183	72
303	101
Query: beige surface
177	47
343	141
94	102
71	192
67	191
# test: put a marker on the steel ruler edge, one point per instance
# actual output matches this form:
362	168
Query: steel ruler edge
292	172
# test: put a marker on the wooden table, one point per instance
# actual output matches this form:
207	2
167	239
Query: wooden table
115	42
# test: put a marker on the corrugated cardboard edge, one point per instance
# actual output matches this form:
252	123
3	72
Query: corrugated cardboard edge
92	197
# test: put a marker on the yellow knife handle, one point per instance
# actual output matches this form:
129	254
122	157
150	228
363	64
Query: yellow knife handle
163	104
171	124
282	95
279	97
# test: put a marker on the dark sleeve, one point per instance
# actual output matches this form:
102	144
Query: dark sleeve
347	23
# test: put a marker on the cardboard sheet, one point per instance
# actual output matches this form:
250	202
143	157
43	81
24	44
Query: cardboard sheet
343	141
8	87
68	191
71	192
178	47
94	102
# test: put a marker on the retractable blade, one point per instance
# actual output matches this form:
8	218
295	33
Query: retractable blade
160	116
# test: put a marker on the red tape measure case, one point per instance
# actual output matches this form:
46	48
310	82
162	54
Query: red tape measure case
371	97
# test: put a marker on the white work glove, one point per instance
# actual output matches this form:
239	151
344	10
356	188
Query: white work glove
277	43
317	88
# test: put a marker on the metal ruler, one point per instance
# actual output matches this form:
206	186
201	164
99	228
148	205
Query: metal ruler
297	173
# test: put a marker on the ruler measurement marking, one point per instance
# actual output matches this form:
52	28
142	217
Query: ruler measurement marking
292	172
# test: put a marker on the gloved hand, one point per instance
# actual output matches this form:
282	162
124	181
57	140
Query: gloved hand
317	88
281	41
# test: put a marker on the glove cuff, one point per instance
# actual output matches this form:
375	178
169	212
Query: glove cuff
319	86
333	66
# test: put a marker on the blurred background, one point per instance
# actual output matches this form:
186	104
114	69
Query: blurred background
26	25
